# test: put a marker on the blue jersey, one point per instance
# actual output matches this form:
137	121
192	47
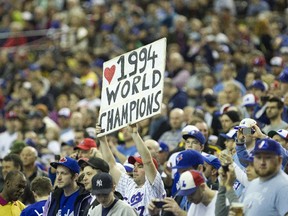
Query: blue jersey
67	204
35	209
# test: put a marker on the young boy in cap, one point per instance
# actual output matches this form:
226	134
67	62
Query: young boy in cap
103	188
91	167
67	198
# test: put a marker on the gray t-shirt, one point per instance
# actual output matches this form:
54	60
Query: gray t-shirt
279	126
120	208
267	198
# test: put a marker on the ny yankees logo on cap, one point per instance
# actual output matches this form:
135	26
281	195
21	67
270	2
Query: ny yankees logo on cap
99	183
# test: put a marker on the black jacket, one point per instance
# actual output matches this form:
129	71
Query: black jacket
82	202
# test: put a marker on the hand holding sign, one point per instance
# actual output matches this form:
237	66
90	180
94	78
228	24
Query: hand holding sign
132	128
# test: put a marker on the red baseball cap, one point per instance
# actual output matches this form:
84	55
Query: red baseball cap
86	144
259	61
133	160
11	115
189	182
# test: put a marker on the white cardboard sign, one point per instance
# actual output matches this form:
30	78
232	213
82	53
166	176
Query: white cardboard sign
132	88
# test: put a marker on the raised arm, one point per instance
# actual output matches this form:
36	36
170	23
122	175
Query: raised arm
121	157
150	169
241	150
108	156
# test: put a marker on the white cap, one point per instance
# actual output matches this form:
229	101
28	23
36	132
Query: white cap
189	128
249	100
247	123
277	61
65	112
231	134
281	132
90	83
224	108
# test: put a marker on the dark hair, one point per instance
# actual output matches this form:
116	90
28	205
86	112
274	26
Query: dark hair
84	63
72	173
12	175
211	75
279	102
41	185
15	159
233	115
97	169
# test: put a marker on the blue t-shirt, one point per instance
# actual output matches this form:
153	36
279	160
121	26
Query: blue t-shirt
67	204
35	209
175	182
127	151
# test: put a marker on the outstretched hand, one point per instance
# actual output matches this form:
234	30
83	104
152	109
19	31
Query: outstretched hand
240	135
227	178
222	176
258	133
98	131
225	159
231	177
167	168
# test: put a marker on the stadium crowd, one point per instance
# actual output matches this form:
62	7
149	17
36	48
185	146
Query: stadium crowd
219	145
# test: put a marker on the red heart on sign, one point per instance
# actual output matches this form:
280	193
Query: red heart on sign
109	73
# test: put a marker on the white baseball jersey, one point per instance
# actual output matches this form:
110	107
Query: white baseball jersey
139	197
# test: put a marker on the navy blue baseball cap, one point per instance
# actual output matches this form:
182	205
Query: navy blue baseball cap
163	147
283	77
195	134
212	160
68	143
245	161
267	145
258	84
231	134
102	183
68	162
96	163
188	158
